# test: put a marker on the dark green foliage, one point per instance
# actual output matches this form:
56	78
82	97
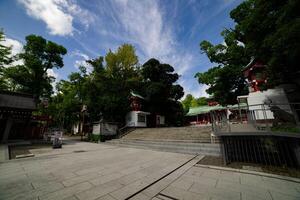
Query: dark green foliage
110	86
95	138
161	91
226	80
270	31
39	56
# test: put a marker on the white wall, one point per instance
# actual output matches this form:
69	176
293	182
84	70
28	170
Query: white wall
274	96
104	129
75	128
132	119
96	129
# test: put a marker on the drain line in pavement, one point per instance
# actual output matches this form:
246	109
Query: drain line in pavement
141	190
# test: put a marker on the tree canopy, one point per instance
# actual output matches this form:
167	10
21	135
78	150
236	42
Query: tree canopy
225	80
265	30
39	56
161	90
270	31
190	102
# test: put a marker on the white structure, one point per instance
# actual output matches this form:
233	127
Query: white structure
136	119
274	96
258	100
160	120
102	128
75	129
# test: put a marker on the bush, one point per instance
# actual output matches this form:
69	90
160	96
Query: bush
286	128
94	138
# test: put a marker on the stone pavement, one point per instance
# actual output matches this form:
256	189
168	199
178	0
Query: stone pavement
97	171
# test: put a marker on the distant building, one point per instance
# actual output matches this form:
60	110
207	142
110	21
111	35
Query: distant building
202	114
258	99
136	117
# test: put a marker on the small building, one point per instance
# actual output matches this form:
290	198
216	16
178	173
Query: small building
136	117
258	100
201	115
15	115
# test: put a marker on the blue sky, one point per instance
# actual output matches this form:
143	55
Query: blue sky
168	30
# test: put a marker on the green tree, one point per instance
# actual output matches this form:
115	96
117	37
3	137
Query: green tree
270	31
39	56
190	102
187	102
226	80
161	90
110	86
194	103
5	59
202	101
65	106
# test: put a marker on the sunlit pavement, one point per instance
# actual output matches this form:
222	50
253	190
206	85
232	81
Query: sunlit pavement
82	170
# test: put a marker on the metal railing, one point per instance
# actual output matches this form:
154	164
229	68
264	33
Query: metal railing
126	129
262	149
258	118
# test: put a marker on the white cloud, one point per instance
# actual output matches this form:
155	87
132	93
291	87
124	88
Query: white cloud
16	47
50	72
82	60
191	86
58	14
145	25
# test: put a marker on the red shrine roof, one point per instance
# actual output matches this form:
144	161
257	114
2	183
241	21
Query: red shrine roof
253	64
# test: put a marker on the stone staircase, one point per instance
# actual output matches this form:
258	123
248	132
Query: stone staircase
176	146
188	140
199	134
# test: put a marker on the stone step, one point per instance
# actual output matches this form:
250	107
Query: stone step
199	134
184	147
164	142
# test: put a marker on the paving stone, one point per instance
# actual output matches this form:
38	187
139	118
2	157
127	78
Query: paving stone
177	193
281	196
106	197
99	191
141	196
251	196
67	192
70	198
184	184
251	180
112	173
254	191
106	178
202	188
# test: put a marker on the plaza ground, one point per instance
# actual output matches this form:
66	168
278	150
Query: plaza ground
82	170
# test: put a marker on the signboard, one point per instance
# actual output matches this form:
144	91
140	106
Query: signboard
105	129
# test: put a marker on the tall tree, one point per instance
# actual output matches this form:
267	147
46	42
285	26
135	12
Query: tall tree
161	90
270	31
39	56
226	80
110	85
265	30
